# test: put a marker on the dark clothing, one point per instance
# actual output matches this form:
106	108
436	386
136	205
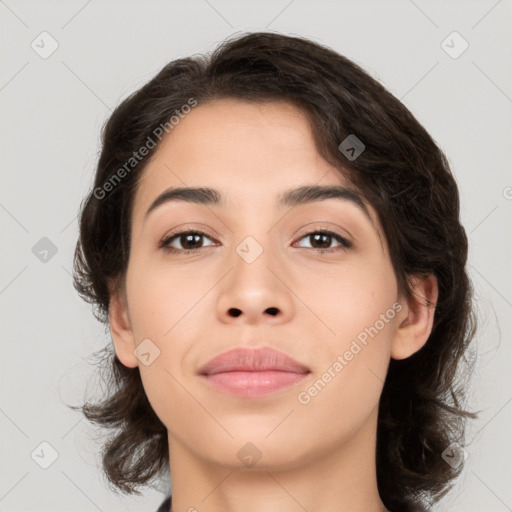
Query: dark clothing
408	506
166	505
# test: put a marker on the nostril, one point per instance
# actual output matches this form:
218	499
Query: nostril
235	312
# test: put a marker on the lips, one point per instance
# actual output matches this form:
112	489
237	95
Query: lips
252	372
246	359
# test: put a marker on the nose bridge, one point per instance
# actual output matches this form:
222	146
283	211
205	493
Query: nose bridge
255	230
253	255
252	287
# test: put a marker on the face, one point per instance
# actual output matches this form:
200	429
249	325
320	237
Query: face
329	301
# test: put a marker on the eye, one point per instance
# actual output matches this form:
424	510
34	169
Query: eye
190	241
324	238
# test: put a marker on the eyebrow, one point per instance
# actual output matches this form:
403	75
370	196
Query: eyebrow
293	197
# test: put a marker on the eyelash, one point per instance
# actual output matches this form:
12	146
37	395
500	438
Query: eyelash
164	244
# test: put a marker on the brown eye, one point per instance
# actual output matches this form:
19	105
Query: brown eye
321	241
189	240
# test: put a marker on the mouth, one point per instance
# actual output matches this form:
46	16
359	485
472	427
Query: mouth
250	372
253	384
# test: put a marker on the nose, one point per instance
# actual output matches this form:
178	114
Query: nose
255	292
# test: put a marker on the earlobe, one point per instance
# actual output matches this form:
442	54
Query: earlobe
416	319
121	329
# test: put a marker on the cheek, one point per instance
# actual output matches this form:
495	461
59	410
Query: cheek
161	299
161	310
357	306
349	377
349	298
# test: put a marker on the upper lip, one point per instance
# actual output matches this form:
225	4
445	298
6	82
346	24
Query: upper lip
252	360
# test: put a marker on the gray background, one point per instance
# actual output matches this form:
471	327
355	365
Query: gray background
52	112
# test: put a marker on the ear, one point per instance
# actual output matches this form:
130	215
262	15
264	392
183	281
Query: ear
120	328
416	319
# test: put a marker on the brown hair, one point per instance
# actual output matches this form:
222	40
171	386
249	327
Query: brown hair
401	172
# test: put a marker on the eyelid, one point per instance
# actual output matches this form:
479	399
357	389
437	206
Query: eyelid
189	228
323	226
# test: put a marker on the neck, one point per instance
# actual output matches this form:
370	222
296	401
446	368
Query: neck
342	479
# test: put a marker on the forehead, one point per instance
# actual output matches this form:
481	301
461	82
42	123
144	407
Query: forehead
232	123
237	146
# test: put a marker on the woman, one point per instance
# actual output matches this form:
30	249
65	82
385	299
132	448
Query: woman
275	243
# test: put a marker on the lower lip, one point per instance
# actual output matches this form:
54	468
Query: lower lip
253	384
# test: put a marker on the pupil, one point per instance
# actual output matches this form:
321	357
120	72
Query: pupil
318	235
187	238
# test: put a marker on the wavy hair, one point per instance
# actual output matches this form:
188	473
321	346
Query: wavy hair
402	173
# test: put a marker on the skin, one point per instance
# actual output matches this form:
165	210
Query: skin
316	456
